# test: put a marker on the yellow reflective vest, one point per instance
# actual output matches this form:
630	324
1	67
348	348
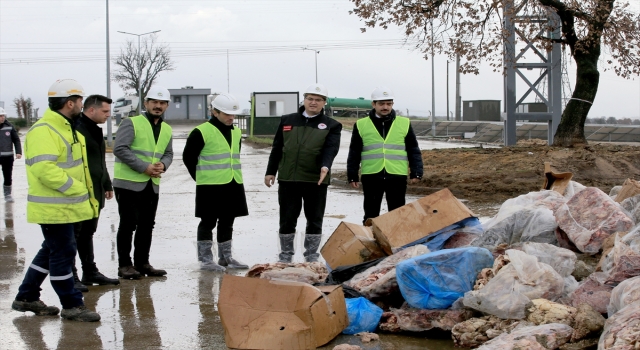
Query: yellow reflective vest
389	153
218	162
60	187
144	146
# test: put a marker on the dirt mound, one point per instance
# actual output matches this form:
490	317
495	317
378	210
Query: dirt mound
492	175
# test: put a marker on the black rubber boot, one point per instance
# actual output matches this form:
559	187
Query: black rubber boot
76	282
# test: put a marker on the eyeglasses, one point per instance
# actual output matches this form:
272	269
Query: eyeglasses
311	99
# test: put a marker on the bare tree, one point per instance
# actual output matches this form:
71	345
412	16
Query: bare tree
22	106
145	67
588	27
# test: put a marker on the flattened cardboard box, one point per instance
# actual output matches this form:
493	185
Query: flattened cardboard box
417	220
351	244
270	314
555	181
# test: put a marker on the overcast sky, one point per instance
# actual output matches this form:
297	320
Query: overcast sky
41	41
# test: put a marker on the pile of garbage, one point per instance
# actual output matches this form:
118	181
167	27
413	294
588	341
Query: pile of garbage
524	279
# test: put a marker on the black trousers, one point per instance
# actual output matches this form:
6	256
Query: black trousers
84	239
293	197
374	188
137	213
207	224
7	169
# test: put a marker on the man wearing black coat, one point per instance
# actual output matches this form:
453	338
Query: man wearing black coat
8	140
97	109
389	153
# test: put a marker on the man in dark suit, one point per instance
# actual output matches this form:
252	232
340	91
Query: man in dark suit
96	110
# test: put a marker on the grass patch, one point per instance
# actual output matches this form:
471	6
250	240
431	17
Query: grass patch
259	142
347	123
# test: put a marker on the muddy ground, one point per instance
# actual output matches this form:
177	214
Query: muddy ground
484	175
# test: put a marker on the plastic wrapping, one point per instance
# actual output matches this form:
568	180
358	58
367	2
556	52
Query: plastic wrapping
544	199
508	293
437	240
623	261
206	260
622	330
286	247
572	189
591	216
548	336
437	279
380	280
592	291
614	191
525	225
344	273
632	207
364	316
562	260
625	293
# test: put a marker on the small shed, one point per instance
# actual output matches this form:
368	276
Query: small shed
267	108
481	110
188	103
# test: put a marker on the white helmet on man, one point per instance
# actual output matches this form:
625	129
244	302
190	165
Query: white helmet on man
2	112
317	89
381	94
226	103
65	88
158	93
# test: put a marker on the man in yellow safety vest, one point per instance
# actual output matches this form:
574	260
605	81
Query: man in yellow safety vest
143	150
385	150
60	194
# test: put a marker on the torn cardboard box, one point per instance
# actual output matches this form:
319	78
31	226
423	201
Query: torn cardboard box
417	220
273	314
629	189
351	244
555	181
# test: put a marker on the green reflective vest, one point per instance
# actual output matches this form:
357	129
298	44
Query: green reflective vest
144	146
218	163
60	187
389	153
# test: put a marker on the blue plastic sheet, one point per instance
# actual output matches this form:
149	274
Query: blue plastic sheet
364	316
436	240
437	279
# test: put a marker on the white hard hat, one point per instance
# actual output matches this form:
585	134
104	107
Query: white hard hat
317	89
381	93
2	112
226	103
66	88
158	93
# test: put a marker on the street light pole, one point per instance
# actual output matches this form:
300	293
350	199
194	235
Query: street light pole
433	88
139	66
109	120
316	56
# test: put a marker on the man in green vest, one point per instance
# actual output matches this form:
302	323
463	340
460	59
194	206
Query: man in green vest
385	150
143	151
212	157
303	151
60	194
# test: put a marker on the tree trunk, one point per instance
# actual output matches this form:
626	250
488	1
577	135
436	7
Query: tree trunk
571	129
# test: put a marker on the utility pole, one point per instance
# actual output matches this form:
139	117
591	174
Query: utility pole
109	120
447	90
139	67
228	71
433	88
316	56
458	100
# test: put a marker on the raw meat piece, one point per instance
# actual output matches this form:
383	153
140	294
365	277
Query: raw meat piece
591	216
460	239
509	293
632	206
367	337
548	336
301	272
623	261
592	291
543	311
622	330
477	331
586	322
624	294
485	275
380	280
420	320
347	347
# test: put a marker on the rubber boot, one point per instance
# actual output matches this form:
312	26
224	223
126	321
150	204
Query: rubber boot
311	245
286	248
225	257
205	257
76	282
7	194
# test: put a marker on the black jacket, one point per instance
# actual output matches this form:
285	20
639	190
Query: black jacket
95	156
227	200
8	140
383	125
323	139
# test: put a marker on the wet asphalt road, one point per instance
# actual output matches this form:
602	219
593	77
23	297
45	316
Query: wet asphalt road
177	311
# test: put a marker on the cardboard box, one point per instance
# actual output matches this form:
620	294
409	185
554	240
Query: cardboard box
555	181
630	188
351	244
417	220
271	314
